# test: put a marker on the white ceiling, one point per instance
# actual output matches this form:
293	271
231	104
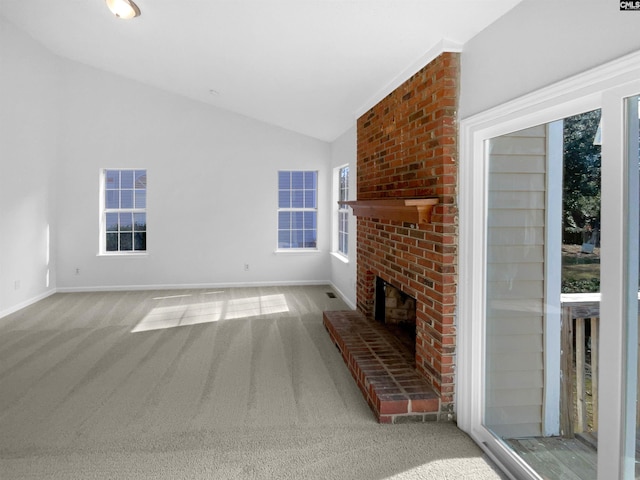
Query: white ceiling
304	65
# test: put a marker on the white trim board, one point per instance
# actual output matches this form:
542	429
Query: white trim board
187	286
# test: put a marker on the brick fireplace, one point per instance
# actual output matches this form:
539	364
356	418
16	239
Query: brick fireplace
407	149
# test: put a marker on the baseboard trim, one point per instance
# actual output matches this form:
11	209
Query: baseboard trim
187	286
26	303
122	288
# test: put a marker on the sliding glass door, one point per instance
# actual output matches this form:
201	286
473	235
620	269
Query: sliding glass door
548	332
542	264
632	397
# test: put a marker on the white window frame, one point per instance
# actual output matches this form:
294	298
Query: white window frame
340	212
605	87
280	249
102	242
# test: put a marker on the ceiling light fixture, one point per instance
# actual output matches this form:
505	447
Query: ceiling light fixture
125	9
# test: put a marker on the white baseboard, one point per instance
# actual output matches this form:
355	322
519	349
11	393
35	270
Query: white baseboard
26	303
122	288
186	286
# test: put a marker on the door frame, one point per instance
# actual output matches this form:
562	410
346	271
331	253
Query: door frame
603	87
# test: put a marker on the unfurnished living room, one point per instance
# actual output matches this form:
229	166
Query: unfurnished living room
312	239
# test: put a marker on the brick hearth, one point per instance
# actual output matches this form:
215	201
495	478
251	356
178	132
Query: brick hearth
383	369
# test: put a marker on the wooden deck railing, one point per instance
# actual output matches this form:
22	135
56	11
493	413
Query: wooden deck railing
579	363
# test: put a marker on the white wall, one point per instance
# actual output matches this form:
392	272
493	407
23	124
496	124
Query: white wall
212	188
29	127
343	275
538	43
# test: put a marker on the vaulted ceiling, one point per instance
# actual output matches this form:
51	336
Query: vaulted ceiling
305	65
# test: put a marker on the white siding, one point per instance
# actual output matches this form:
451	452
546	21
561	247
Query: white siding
515	283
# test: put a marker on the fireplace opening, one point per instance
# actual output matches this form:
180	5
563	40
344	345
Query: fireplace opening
397	312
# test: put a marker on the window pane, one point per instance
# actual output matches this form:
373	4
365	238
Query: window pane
309	220
297	220
126	179
284	220
284	180
310	199
112	222
309	238
297	199
112	242
297	180
141	198
126	198
526	307
126	241
140	222
141	179
310	180
284	239
140	241
126	222
297	238
112	179
344	184
284	199
112	199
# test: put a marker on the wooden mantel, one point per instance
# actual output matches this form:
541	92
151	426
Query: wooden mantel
412	210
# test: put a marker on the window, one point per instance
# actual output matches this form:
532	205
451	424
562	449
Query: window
342	229
124	216
297	209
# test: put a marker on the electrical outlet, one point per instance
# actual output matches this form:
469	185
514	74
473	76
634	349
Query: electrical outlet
77	271
246	267
16	285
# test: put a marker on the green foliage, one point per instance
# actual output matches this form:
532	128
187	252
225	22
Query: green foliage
581	286
581	186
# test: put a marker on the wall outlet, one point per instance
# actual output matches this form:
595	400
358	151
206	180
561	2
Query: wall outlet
246	267
16	285
77	271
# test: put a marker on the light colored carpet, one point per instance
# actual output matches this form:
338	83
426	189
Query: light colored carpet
224	384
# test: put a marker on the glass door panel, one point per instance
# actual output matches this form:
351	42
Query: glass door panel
632	130
542	292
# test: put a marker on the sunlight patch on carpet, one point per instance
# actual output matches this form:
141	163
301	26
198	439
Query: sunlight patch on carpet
171	316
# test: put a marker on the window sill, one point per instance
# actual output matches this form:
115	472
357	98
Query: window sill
340	257
296	251
123	255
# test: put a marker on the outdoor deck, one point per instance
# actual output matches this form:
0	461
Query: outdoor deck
557	458
564	458
573	456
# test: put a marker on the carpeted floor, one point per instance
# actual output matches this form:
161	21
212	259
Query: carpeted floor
222	384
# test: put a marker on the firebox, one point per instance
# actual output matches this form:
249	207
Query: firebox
397	312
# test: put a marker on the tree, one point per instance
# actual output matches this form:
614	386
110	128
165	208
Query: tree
581	183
